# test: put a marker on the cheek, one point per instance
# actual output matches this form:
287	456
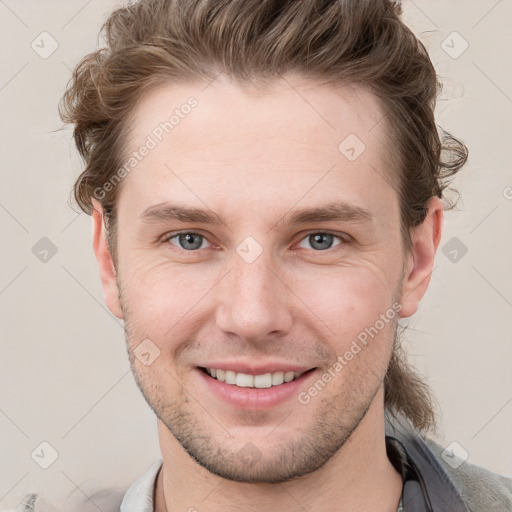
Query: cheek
161	301
153	287
357	306
350	299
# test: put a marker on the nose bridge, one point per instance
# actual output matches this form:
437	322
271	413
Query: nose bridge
252	300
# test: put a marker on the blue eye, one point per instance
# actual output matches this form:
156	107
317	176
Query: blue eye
188	241
322	241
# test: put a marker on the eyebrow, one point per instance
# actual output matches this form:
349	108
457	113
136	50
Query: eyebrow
168	211
339	211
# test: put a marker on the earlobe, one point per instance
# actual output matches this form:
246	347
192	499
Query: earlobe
420	261
105	263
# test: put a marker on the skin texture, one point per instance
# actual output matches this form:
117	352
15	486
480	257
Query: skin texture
254	158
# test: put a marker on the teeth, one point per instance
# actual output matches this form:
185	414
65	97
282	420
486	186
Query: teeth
277	378
245	380
289	376
263	381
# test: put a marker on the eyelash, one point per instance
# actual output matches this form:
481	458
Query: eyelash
344	239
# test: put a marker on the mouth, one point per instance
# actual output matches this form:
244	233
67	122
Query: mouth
255	388
261	381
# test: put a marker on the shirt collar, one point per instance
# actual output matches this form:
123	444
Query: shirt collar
140	495
427	485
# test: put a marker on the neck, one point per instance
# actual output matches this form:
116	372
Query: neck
358	477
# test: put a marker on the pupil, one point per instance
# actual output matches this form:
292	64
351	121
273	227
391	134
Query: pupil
322	238
188	238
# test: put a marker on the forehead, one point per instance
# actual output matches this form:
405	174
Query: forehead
290	139
225	108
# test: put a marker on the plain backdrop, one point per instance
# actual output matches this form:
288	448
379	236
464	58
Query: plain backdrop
64	372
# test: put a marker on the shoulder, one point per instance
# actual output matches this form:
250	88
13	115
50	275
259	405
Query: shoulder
482	489
138	496
106	500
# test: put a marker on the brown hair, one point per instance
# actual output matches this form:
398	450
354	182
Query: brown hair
359	42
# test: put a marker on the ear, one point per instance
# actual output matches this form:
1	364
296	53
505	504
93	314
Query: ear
420	259
106	265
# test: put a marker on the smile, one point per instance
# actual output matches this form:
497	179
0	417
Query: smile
244	380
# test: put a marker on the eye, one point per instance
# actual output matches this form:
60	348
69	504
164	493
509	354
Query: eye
322	241
188	241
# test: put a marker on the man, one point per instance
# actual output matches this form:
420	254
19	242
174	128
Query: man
265	181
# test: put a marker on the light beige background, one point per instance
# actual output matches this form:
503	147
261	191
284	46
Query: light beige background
64	373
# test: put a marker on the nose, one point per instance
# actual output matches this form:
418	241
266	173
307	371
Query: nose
254	302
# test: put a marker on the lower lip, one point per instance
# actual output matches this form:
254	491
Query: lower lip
255	398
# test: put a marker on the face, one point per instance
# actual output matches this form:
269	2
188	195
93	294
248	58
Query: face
254	249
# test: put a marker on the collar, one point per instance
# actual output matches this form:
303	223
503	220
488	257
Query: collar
140	495
427	486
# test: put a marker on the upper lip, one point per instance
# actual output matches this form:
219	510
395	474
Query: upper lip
256	369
